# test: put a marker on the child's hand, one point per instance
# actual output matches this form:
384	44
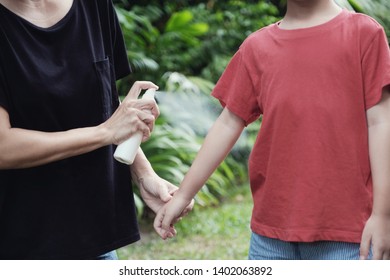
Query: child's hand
164	233
376	234
171	213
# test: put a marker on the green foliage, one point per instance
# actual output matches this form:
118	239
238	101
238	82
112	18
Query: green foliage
230	23
154	49
139	34
181	24
344	3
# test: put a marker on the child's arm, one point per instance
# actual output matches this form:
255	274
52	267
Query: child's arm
377	230
218	143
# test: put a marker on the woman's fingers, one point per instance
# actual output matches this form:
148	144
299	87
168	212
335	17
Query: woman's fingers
134	115
137	87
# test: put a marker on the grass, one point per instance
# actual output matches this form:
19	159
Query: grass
213	233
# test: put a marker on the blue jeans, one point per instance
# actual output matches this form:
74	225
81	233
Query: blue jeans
264	248
108	256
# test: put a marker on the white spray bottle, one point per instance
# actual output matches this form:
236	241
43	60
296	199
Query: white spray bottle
126	151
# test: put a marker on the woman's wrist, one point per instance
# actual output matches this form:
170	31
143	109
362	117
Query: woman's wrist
103	136
141	167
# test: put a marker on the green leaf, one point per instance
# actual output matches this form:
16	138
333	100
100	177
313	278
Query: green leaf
139	205
179	20
355	5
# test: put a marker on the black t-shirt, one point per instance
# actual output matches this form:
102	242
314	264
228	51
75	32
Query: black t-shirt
56	79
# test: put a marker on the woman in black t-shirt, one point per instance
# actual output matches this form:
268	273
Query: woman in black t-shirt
62	196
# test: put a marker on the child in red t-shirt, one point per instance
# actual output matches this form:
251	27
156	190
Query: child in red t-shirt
320	167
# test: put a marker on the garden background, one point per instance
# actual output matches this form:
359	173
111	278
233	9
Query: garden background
184	46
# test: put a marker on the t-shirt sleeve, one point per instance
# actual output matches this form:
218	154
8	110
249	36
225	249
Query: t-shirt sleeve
236	92
120	59
376	68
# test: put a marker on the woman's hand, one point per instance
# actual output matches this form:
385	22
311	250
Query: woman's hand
156	193
130	116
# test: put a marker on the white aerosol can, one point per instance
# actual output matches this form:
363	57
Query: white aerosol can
126	151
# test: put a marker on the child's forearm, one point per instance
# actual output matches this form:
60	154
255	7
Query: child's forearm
379	150
379	138
218	143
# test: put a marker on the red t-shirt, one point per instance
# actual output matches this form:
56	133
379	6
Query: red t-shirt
309	168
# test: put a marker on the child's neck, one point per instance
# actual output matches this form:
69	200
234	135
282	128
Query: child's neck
308	13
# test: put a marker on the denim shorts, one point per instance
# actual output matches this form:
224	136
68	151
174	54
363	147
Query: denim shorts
264	248
108	256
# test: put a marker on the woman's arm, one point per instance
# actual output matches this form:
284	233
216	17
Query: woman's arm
218	143
22	148
377	230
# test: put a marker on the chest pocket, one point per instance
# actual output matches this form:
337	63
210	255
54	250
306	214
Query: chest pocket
106	91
